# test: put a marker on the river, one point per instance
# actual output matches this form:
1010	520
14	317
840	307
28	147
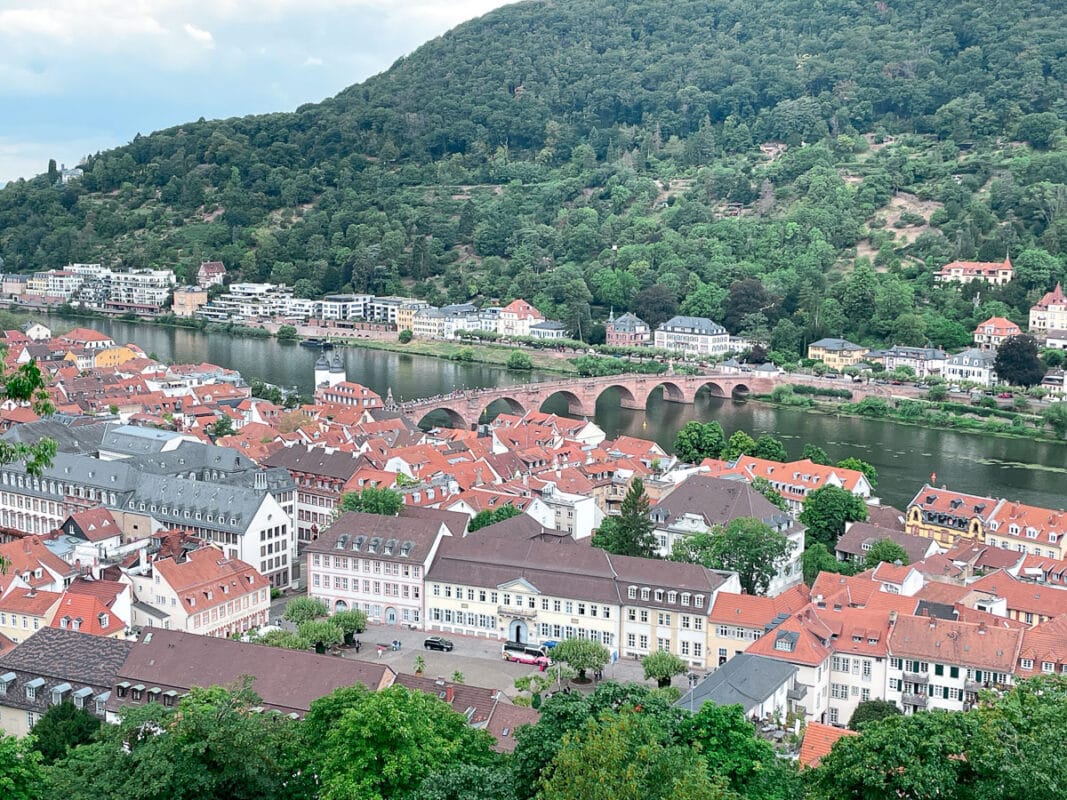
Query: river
904	455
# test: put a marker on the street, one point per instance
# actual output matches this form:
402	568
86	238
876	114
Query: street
478	660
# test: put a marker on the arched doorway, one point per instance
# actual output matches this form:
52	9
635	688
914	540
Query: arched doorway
390	616
340	605
517	631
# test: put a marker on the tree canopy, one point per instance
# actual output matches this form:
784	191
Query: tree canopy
745	545
825	512
372	500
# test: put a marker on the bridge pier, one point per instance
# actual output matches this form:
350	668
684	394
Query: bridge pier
632	403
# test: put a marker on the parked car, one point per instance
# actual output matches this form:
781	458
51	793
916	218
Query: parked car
437	643
1005	395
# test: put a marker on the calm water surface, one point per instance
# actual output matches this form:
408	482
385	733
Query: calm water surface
904	455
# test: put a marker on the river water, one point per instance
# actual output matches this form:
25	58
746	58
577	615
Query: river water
904	455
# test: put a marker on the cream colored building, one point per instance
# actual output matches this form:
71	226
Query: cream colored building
514	589
206	593
188	300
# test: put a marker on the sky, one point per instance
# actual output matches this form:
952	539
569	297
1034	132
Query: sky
80	76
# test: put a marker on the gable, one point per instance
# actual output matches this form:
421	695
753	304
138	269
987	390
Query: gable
519	585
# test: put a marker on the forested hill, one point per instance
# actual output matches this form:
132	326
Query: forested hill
577	152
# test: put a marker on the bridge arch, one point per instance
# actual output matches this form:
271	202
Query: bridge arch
501	405
714	389
574	402
443	416
672	392
740	391
627	399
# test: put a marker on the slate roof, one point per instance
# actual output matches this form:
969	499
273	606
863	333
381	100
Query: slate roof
700	325
66	655
746	680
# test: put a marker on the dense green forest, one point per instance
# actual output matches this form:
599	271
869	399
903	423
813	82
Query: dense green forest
621	742
596	154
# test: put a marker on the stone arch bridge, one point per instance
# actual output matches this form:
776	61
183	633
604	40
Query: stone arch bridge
465	408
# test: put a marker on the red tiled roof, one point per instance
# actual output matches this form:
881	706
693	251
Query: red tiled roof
94	616
818	741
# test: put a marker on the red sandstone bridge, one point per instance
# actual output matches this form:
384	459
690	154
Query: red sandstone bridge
464	408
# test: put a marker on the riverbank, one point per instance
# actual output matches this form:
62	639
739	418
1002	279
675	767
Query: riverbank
947	416
466	353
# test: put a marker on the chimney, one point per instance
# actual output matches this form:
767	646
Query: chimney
450	694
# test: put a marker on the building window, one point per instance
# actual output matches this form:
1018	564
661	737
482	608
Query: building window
632	592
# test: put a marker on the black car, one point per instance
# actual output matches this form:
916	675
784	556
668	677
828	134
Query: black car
437	643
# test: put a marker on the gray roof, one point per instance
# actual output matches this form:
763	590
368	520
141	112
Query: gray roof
67	655
628	323
549	325
924	353
72	434
134	440
837	345
134	487
701	325
974	358
580	572
745	680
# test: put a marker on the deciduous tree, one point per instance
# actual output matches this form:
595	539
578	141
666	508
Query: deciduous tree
746	545
699	440
1017	361
826	510
581	655
872	711
661	666
373	500
885	550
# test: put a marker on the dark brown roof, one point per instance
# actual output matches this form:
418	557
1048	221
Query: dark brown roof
885	517
523	526
69	656
394	534
503	721
717	500
583	573
455	521
288	680
474	702
315	461
861	533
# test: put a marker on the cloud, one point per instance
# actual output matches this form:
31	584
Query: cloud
199	35
118	67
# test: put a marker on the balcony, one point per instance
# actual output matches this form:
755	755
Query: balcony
920	678
973	686
917	700
515	611
798	692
